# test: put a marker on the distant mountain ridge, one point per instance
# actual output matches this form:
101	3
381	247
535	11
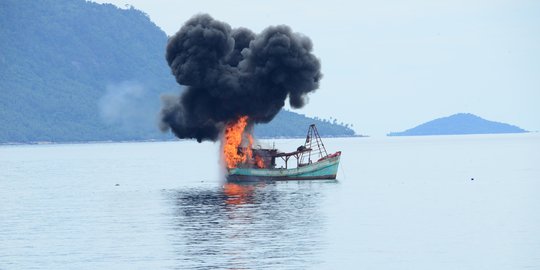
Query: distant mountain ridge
458	124
293	125
72	70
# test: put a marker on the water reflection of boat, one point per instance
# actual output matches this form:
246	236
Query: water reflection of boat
248	226
325	166
238	194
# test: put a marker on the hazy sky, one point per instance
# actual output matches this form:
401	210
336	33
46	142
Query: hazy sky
391	65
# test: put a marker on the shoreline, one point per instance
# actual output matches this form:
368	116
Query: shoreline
266	138
156	140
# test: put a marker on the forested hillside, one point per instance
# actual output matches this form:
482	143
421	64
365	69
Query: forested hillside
290	124
58	59
72	70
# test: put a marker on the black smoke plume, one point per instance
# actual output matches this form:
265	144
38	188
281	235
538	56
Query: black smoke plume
233	72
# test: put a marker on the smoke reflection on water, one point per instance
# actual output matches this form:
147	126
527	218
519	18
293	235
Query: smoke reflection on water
258	226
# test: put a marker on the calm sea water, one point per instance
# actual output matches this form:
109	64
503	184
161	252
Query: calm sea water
400	203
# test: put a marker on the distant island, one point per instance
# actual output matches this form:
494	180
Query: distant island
459	124
78	71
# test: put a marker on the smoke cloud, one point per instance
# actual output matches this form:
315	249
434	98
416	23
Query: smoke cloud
234	72
125	105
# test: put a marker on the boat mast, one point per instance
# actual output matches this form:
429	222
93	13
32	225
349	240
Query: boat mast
313	139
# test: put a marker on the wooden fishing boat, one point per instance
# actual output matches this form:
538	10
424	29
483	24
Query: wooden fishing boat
312	163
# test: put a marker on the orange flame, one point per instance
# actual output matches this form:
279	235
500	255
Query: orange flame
248	149
232	140
259	161
237	145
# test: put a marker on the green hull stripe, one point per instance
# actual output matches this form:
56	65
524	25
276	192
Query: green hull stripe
328	167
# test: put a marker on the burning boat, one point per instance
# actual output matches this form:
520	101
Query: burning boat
310	161
233	79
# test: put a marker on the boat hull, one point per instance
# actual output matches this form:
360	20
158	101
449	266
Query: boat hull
321	170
